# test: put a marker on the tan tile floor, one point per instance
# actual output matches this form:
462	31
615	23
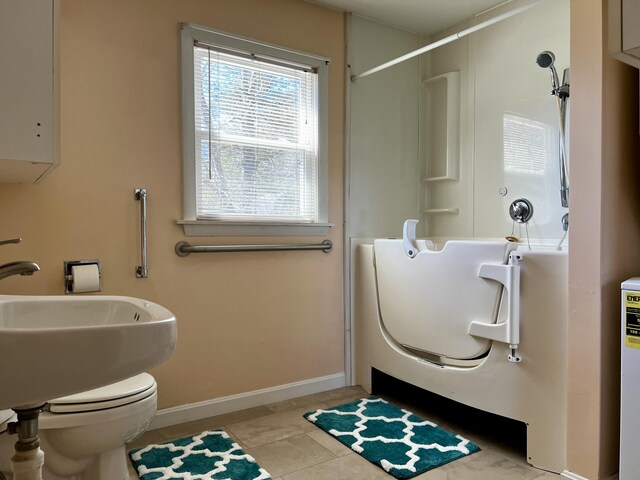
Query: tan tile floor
290	448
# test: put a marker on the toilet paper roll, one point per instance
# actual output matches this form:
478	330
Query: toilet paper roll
86	278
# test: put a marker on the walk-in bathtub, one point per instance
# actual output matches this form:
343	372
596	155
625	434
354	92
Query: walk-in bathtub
526	383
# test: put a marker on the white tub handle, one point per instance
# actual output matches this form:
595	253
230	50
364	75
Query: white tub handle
409	237
508	331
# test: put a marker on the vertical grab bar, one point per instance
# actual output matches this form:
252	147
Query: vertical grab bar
140	194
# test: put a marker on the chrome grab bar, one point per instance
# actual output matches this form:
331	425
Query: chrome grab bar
140	194
185	248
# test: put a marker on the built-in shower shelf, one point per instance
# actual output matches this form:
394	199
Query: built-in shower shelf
437	211
438	179
441	97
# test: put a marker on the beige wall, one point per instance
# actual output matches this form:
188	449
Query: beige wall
245	320
605	232
620	234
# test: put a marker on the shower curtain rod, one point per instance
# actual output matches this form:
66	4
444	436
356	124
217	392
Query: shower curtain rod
449	39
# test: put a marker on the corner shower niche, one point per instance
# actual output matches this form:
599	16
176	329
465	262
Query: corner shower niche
440	155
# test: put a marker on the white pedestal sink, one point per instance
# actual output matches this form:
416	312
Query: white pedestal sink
51	346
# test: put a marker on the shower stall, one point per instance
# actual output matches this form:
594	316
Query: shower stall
453	136
457	138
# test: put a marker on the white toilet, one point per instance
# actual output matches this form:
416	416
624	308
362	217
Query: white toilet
83	436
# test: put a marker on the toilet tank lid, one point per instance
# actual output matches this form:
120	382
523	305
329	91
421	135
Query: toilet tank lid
124	388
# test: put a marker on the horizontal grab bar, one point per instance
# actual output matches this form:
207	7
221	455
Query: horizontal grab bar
185	248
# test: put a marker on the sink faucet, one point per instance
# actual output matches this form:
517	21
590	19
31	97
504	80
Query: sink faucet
16	268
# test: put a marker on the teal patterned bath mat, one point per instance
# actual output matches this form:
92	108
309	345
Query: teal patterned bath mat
211	455
400	442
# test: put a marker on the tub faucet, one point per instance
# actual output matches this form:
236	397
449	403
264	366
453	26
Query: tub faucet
16	268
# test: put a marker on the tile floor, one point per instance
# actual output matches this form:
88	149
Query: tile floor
290	448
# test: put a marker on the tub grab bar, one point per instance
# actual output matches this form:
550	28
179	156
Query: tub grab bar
508	331
140	194
185	248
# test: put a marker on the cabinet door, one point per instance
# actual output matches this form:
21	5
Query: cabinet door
631	27
28	103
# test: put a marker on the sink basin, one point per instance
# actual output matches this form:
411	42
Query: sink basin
52	346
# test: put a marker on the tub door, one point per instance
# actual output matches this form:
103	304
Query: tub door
427	303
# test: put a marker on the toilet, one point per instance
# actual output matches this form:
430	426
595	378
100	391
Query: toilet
84	435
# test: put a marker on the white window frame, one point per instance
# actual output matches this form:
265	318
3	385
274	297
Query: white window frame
190	34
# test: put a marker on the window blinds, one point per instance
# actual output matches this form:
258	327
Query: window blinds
256	138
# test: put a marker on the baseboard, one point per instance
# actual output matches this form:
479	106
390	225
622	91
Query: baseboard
574	476
219	406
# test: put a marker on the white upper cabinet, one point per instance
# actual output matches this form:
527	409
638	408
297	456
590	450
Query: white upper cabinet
29	111
624	31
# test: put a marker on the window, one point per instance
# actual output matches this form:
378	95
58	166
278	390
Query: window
254	137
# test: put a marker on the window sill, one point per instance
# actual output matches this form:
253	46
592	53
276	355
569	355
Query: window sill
203	228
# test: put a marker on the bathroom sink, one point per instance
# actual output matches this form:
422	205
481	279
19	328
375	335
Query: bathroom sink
52	346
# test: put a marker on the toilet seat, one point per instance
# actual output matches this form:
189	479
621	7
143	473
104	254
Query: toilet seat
6	416
111	396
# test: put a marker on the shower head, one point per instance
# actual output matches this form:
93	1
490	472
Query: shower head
545	60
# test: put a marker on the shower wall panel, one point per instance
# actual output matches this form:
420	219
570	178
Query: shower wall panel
509	143
383	188
508	129
516	142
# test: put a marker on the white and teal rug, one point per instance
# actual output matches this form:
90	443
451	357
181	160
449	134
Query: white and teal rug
400	442
211	455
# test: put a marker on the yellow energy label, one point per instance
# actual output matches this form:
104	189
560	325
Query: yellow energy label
632	319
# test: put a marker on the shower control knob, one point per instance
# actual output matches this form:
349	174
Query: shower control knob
521	210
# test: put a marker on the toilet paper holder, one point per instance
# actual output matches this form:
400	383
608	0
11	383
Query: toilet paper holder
68	273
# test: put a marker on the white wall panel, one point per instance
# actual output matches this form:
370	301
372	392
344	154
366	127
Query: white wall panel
384	176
